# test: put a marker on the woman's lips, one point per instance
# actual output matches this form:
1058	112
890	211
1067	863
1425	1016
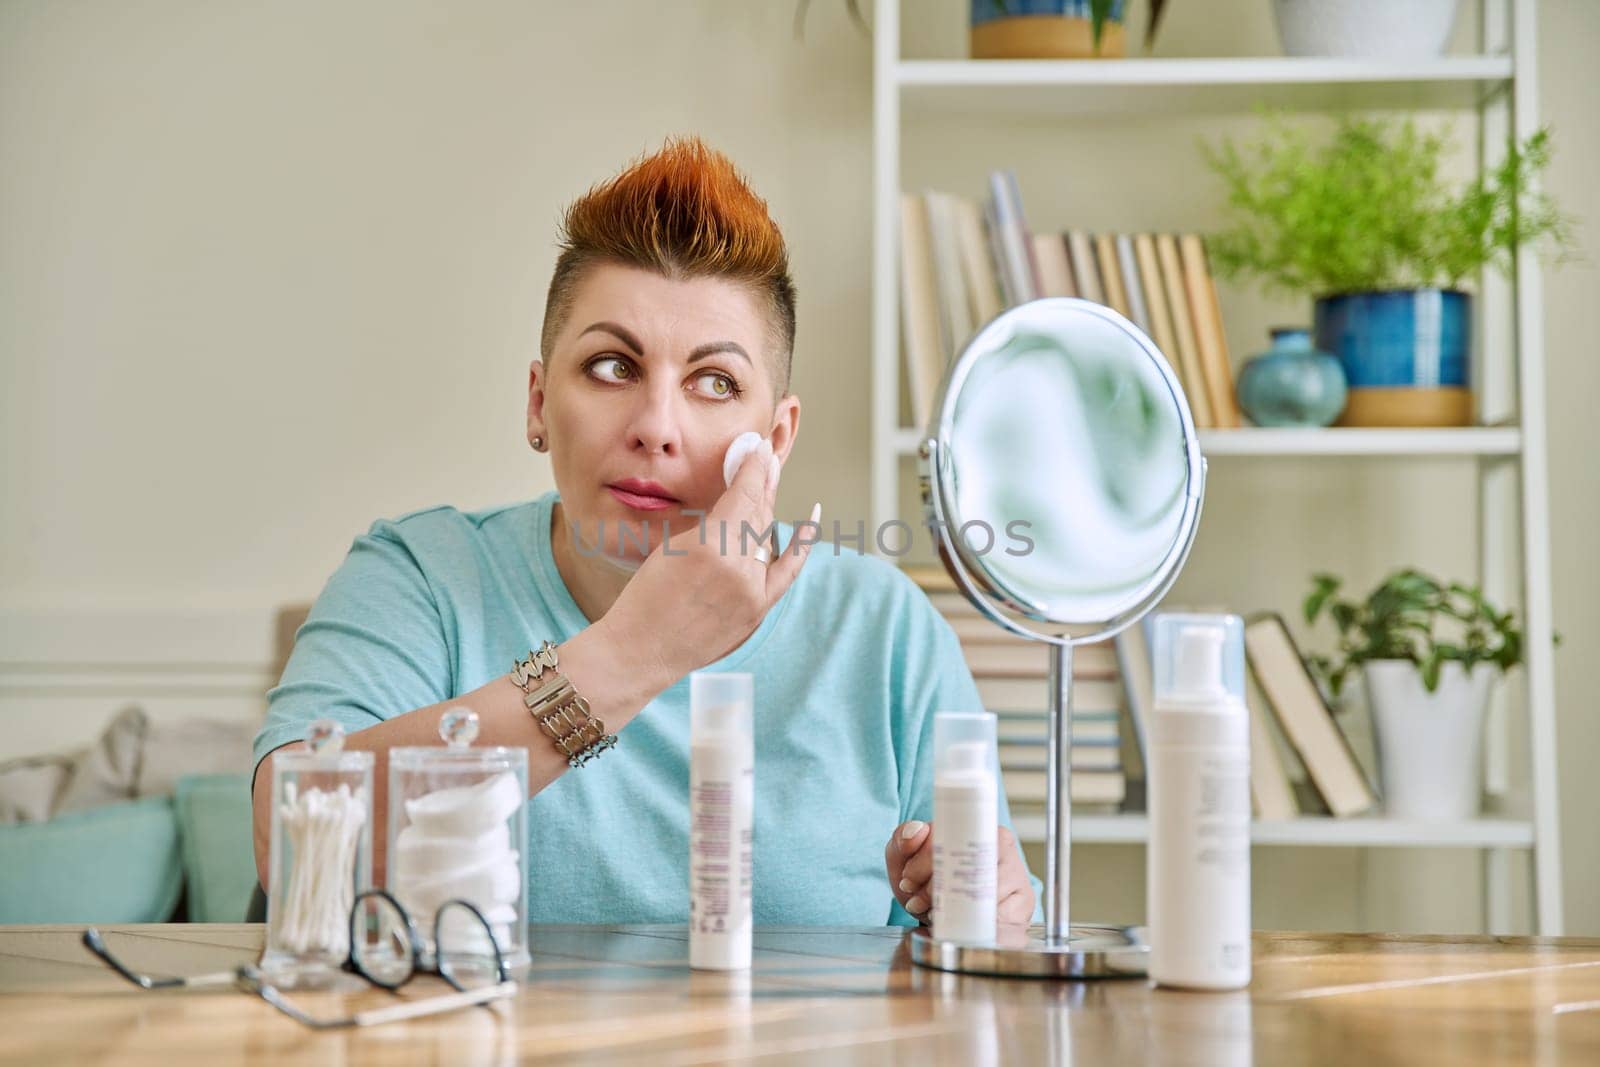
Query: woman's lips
641	501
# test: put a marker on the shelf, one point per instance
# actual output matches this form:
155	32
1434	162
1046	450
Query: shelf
1360	832
1466	441
1013	88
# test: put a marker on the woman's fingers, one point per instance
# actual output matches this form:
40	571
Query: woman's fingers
786	568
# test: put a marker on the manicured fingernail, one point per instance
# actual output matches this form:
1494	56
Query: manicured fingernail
816	513
907	885
917	903
911	829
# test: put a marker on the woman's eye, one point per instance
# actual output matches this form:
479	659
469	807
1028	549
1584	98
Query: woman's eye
717	384
611	369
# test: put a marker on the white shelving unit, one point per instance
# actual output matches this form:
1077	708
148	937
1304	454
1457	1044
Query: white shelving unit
1507	449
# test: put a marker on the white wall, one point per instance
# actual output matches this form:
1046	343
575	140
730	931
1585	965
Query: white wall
269	271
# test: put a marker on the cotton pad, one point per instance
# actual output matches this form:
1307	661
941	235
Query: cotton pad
740	447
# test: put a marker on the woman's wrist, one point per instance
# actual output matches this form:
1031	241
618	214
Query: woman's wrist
616	672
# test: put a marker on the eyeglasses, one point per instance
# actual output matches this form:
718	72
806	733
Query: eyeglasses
387	951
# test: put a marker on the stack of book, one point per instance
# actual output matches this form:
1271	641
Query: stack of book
1013	678
1300	761
961	264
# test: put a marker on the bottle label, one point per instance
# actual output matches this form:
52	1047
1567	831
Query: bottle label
721	840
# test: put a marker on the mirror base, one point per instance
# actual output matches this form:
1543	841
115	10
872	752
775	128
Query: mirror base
1091	951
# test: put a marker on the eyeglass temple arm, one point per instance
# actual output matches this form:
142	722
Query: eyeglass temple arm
96	944
375	1016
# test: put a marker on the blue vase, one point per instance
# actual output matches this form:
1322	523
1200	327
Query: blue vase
987	10
1292	384
1401	338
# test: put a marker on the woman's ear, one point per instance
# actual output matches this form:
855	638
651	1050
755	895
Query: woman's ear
785	426
536	386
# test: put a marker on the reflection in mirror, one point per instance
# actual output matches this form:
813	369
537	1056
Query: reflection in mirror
1068	476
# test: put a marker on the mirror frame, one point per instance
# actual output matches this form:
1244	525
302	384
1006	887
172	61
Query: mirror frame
987	591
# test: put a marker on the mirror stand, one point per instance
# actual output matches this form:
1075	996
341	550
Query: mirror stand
1060	949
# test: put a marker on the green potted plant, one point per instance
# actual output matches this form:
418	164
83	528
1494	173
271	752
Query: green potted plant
1366	224
1428	653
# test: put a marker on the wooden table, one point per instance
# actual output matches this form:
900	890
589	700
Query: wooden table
830	996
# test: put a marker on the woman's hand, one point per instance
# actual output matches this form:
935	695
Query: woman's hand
908	859
701	593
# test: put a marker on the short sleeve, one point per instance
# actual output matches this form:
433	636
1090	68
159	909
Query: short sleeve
933	676
373	647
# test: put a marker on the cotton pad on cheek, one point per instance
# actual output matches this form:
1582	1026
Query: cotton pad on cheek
739	448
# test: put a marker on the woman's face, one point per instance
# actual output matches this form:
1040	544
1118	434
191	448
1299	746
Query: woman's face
647	383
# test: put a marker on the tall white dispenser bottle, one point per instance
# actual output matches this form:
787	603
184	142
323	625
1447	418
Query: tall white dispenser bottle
1198	870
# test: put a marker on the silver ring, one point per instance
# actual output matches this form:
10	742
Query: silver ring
763	554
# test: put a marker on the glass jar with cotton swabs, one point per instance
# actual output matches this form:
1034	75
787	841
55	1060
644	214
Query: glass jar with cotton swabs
320	856
458	830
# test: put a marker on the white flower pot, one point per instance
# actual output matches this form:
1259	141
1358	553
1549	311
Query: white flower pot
1365	29
1430	745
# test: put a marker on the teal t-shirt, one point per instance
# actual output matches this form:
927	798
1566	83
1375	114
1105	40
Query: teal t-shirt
849	668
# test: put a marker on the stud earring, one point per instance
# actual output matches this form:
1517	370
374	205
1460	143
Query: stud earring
538	443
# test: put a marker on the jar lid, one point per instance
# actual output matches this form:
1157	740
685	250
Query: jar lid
324	751
458	729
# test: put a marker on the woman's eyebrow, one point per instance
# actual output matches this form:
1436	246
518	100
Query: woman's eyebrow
701	352
618	332
719	346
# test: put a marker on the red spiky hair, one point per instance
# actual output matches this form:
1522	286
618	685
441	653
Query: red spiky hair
683	212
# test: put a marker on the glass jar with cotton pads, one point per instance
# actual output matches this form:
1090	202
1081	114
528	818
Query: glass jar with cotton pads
319	856
458	830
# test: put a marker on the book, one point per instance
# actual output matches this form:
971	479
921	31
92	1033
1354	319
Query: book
977	262
1085	787
1085	274
1034	756
1138	311
1306	719
954	305
1144	252
1055	273
1209	338
997	255
1105	255
1021	658
1033	695
1271	793
921	331
1194	381
1016	246
1132	647
1087	728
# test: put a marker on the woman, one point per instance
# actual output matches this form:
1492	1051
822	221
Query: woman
668	332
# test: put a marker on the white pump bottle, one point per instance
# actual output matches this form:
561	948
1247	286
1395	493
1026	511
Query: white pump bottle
1198	870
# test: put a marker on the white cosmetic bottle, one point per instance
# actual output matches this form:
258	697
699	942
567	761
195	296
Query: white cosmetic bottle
1198	869
721	819
965	826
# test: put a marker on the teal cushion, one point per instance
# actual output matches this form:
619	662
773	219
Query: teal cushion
112	864
215	831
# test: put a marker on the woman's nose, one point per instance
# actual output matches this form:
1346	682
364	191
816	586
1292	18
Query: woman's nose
654	425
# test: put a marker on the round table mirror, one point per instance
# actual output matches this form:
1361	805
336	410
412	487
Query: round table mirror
1063	481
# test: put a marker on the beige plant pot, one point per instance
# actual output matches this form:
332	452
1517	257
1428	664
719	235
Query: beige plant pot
1045	37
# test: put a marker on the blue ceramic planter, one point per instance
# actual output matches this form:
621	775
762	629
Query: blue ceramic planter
1292	384
1404	338
985	10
